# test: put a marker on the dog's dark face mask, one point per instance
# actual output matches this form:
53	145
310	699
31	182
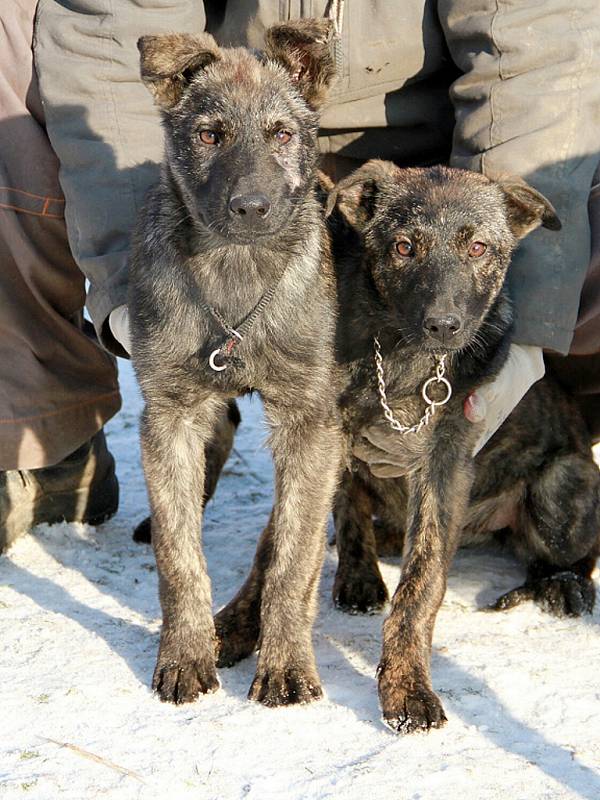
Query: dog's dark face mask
241	128
438	244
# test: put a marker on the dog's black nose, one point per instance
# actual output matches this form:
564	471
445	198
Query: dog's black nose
250	207
443	328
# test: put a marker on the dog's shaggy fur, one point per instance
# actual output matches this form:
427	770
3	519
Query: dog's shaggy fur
234	214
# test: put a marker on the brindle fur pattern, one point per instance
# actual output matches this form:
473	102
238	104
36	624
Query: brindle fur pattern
193	247
536	476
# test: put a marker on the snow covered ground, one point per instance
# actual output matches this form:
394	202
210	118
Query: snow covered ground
79	621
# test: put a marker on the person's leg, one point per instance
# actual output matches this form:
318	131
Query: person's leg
579	372
57	385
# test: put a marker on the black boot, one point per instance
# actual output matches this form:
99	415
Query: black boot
81	488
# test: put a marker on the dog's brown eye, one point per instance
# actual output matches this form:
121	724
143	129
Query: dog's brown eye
209	137
405	248
477	249
283	136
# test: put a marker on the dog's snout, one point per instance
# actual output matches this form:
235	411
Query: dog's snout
250	208
443	327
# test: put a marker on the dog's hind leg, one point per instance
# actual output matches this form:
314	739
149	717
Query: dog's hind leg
219	447
559	535
306	451
173	441
217	452
238	623
358	585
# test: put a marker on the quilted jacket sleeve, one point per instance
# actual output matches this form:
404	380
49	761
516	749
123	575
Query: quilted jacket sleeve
104	128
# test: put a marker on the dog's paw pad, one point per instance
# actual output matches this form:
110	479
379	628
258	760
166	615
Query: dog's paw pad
237	630
233	648
413	711
566	594
184	682
143	532
285	687
360	594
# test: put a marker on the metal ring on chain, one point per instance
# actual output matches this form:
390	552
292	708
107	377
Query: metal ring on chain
426	397
213	364
431	404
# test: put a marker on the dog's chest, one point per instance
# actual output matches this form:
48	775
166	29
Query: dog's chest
286	349
401	382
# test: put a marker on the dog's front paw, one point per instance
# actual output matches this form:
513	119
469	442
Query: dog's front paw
408	707
359	591
237	635
182	681
284	687
564	594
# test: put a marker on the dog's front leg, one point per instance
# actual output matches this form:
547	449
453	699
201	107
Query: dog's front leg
306	452
173	455
438	497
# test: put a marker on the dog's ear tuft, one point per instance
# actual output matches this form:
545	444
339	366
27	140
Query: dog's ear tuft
356	195
305	48
169	62
527	208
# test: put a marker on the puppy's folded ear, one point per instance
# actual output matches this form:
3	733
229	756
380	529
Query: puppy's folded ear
356	195
305	48
527	208
169	62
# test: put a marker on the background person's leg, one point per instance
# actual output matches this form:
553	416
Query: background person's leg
580	370
57	385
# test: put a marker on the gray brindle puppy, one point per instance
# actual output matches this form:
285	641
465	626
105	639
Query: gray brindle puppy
232	291
422	256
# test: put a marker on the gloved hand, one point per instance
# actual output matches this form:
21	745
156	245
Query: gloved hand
387	453
493	402
118	322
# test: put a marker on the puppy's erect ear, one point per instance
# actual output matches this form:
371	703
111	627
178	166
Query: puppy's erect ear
356	195
169	62
527	208
305	48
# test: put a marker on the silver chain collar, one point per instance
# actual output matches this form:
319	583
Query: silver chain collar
440	371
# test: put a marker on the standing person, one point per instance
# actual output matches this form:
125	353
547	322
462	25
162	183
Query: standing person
501	88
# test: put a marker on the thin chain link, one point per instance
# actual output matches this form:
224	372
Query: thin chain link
236	335
440	372
245	326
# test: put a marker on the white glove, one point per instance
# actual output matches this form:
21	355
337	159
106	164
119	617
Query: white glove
493	402
118	322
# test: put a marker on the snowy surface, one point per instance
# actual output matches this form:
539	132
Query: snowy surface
79	621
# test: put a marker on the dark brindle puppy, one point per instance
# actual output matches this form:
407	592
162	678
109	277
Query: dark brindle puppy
422	266
233	235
